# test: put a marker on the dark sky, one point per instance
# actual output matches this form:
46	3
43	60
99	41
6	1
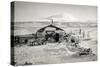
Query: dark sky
30	11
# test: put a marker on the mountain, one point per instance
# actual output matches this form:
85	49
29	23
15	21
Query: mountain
63	18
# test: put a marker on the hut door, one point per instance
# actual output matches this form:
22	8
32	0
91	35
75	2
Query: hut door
56	36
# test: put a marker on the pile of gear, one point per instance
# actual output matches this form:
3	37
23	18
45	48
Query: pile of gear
73	46
71	42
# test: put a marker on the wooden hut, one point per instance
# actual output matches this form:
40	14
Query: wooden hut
51	33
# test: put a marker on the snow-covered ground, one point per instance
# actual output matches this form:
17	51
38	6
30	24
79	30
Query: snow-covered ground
47	54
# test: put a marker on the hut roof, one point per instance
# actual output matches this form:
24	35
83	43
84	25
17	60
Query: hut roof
42	29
